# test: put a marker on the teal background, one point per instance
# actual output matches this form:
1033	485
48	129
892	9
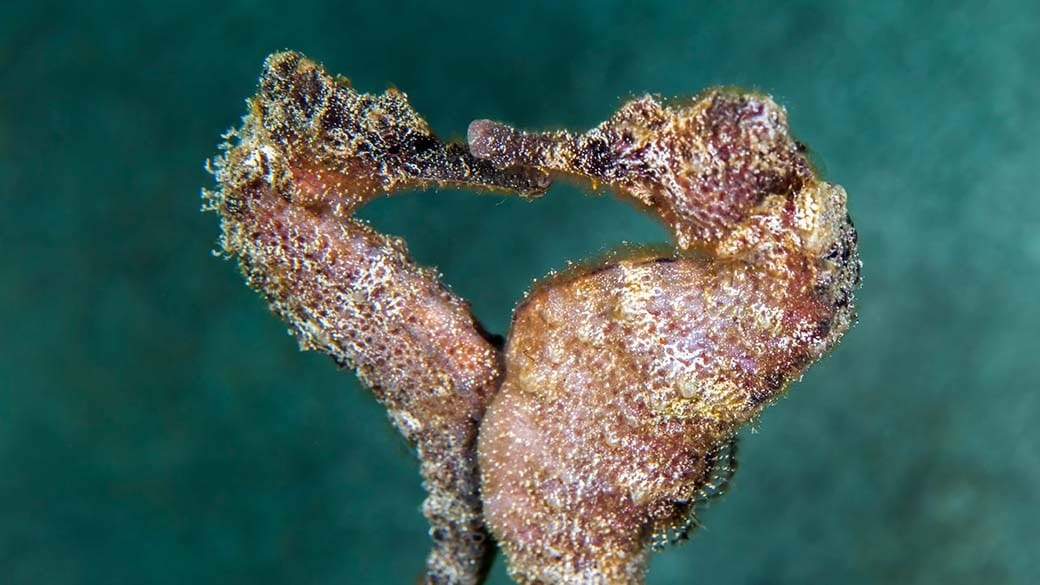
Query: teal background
157	425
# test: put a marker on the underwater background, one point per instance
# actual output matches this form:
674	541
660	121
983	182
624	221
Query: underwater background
158	426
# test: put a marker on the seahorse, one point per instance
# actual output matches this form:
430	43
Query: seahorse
626	379
310	152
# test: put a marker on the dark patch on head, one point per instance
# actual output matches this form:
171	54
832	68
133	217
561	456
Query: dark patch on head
595	158
420	144
333	117
277	68
309	91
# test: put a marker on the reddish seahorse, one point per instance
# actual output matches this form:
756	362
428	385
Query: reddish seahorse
626	379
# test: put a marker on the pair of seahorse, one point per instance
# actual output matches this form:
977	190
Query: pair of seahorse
610	411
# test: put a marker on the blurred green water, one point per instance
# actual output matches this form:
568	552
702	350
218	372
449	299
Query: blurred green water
158	426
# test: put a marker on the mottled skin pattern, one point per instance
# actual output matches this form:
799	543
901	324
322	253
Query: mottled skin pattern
624	380
613	409
310	151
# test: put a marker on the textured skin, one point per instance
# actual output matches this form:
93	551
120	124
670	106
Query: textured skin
623	381
310	151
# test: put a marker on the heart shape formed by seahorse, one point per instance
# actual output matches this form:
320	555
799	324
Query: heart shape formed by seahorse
610	412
